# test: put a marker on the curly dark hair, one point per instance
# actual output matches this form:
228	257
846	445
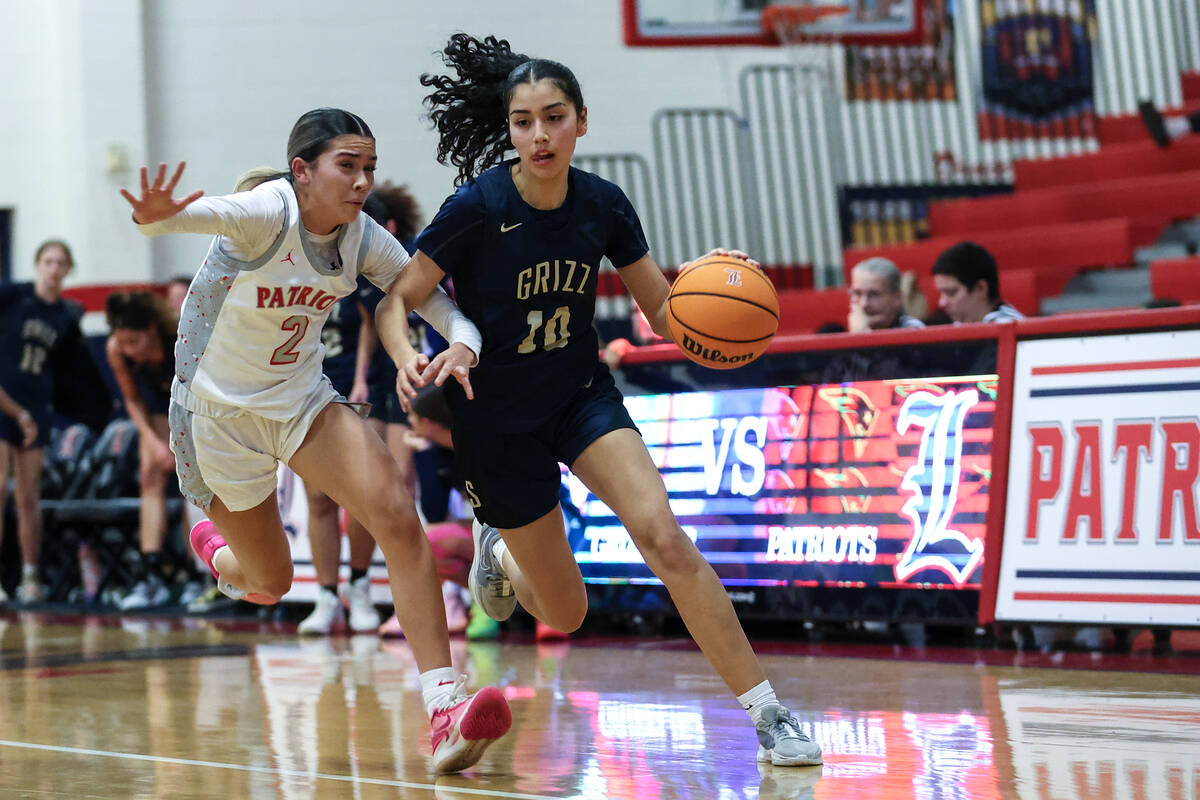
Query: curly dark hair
138	311
470	112
392	203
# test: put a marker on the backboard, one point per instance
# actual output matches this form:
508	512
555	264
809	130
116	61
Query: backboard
672	23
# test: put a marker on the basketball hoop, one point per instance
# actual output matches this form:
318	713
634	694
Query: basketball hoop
804	23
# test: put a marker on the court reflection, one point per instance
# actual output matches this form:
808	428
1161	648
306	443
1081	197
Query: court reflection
120	709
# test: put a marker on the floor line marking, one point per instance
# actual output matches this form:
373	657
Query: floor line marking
295	773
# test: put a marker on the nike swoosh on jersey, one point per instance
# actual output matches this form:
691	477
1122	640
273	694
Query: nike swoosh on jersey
506	228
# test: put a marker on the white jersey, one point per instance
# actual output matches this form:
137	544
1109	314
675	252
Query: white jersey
250	329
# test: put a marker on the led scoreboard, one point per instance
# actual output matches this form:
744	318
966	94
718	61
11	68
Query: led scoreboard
869	483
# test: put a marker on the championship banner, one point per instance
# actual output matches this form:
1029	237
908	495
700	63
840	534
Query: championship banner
922	71
1038	80
1102	522
872	483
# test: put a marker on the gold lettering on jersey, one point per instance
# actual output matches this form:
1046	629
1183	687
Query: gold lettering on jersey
548	276
39	331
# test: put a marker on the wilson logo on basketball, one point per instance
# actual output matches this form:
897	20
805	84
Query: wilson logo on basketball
713	355
733	277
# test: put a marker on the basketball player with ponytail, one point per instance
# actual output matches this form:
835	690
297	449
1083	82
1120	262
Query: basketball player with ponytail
522	239
248	391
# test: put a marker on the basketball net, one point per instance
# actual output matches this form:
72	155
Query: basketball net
808	30
795	24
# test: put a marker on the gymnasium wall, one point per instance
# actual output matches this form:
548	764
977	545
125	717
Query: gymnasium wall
98	88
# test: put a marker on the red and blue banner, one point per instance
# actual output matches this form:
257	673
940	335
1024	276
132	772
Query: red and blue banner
1038	69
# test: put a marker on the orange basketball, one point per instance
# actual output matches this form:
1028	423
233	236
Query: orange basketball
723	312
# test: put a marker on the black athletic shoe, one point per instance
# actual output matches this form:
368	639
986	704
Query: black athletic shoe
1153	121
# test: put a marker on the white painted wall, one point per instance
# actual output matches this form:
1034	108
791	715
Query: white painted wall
220	82
73	84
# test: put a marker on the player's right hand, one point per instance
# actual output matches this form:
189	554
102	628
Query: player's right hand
156	202
409	378
29	429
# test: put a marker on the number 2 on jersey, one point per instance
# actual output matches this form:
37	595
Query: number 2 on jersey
557	333
287	353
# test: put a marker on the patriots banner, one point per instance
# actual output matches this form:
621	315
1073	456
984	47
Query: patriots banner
1038	80
870	483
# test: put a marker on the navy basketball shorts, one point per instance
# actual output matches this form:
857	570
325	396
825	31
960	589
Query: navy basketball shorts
385	404
512	479
10	431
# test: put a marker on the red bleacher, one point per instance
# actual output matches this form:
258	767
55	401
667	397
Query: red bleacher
1150	203
1052	253
805	310
1133	160
1176	277
1129	129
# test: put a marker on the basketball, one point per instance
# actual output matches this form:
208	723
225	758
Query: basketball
723	312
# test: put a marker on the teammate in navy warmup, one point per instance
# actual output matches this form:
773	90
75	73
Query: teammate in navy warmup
523	241
394	208
141	353
35	324
345	365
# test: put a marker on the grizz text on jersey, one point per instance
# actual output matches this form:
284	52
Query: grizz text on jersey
559	275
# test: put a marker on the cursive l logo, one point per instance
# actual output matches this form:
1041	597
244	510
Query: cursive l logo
506	228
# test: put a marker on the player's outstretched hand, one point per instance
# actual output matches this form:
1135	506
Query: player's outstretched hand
455	361
156	202
408	378
721	251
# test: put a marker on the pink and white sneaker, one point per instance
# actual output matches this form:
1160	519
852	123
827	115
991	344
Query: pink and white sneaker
206	541
463	730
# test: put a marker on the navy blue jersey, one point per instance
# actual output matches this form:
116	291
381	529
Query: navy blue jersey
340	337
527	279
33	332
154	381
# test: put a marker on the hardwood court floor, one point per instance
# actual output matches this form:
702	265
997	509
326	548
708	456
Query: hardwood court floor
108	707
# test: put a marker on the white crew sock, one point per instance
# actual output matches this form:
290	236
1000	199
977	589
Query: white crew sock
437	688
499	548
758	698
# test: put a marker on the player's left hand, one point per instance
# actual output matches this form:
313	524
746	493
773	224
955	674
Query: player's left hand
455	361
408	378
721	251
359	393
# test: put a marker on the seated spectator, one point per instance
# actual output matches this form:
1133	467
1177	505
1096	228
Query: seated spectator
612	353
1164	130
876	299
177	291
141	353
968	286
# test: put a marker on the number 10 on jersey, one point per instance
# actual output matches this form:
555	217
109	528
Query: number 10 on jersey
556	332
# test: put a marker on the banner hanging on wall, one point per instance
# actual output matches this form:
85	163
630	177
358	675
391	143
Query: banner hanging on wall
1038	79
1102	522
922	71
